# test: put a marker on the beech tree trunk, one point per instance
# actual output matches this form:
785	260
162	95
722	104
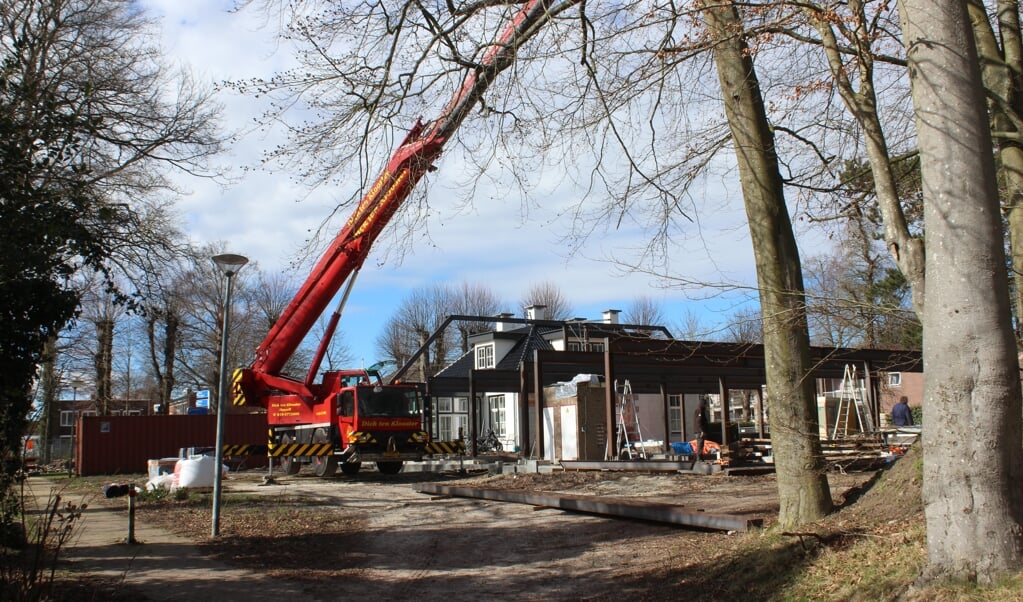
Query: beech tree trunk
802	483
972	446
1002	59
103	363
857	91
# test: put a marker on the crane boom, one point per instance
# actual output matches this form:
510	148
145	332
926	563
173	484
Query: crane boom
413	158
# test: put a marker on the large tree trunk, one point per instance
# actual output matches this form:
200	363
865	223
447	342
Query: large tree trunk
170	348
1000	69
973	451
906	249
802	483
161	357
103	362
49	419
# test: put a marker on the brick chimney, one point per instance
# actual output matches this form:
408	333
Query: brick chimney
536	312
500	325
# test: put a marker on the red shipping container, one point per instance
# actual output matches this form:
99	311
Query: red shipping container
110	445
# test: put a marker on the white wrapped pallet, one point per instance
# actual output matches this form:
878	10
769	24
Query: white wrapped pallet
196	473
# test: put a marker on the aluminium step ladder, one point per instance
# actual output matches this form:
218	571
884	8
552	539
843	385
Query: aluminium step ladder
850	399
629	432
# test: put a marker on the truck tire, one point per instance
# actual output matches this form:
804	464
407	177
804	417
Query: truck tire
323	466
351	468
389	467
289	466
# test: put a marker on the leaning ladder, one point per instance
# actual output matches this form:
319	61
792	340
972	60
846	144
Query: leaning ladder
629	431
850	399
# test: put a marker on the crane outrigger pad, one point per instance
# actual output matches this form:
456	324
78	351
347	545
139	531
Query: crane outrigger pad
652	511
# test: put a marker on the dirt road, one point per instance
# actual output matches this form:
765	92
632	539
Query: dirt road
376	536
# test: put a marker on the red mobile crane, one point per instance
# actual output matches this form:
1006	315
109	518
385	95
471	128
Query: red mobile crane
351	416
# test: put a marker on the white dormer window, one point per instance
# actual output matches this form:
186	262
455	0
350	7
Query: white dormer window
484	357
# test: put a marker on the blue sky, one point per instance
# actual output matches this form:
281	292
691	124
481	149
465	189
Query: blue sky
267	217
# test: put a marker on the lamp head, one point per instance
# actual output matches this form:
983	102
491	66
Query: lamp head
230	263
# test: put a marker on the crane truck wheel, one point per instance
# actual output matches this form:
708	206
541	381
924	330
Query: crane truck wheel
351	468
323	466
289	465
389	467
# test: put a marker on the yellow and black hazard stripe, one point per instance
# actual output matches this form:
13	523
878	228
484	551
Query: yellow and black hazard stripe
243	450
301	450
361	437
237	393
445	447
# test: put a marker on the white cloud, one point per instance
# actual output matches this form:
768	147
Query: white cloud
267	216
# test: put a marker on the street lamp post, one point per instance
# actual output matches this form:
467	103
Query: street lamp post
230	265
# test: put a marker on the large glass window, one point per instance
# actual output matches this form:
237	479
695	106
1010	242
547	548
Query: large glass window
387	401
450	414
450	426
484	357
346	404
446	428
498	420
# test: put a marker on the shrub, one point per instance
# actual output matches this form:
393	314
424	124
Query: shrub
27	573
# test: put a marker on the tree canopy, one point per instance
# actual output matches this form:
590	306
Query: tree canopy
91	122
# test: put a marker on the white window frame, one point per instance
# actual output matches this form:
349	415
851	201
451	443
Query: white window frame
451	413
67	418
894	379
445	428
448	426
485	356
461	422
498	415
675	404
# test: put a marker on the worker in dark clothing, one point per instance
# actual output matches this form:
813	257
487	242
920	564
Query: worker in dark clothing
901	414
702	421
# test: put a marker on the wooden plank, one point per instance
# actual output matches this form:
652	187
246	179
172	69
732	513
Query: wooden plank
639	465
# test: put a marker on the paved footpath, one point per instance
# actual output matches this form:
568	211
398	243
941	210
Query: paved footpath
161	565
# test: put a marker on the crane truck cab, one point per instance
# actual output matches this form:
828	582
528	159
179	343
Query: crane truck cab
363	421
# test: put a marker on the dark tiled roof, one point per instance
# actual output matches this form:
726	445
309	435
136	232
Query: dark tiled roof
530	338
459	368
523	350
